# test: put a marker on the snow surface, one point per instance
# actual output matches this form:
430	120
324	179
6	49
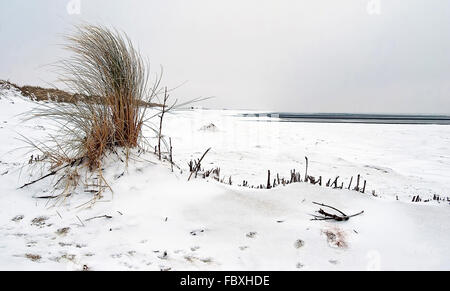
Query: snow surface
160	221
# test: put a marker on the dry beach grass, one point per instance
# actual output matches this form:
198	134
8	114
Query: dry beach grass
105	115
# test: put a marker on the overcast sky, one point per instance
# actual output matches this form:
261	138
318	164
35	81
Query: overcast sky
285	55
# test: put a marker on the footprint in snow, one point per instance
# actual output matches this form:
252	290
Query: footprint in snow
63	244
63	231
67	257
31	243
299	243
33	257
163	256
197	231
192	259
251	234
336	237
39	221
17	218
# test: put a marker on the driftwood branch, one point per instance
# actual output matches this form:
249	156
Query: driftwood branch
329	216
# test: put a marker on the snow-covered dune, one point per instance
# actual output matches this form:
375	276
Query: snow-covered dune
157	220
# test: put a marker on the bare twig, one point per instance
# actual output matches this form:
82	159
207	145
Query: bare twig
43	177
197	168
335	182
101	216
82	224
306	170
357	183
321	204
350	184
51	196
171	157
166	97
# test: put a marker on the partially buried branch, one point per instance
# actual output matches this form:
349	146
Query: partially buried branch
329	216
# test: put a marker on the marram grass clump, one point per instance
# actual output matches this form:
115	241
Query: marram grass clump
113	78
106	68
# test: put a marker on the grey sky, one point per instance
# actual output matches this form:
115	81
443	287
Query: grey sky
286	55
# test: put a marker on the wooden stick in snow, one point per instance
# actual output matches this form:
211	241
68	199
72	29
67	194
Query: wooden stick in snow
350	184
166	97
335	182
357	184
306	170
171	161
197	168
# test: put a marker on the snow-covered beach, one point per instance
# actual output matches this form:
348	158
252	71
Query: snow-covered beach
156	220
